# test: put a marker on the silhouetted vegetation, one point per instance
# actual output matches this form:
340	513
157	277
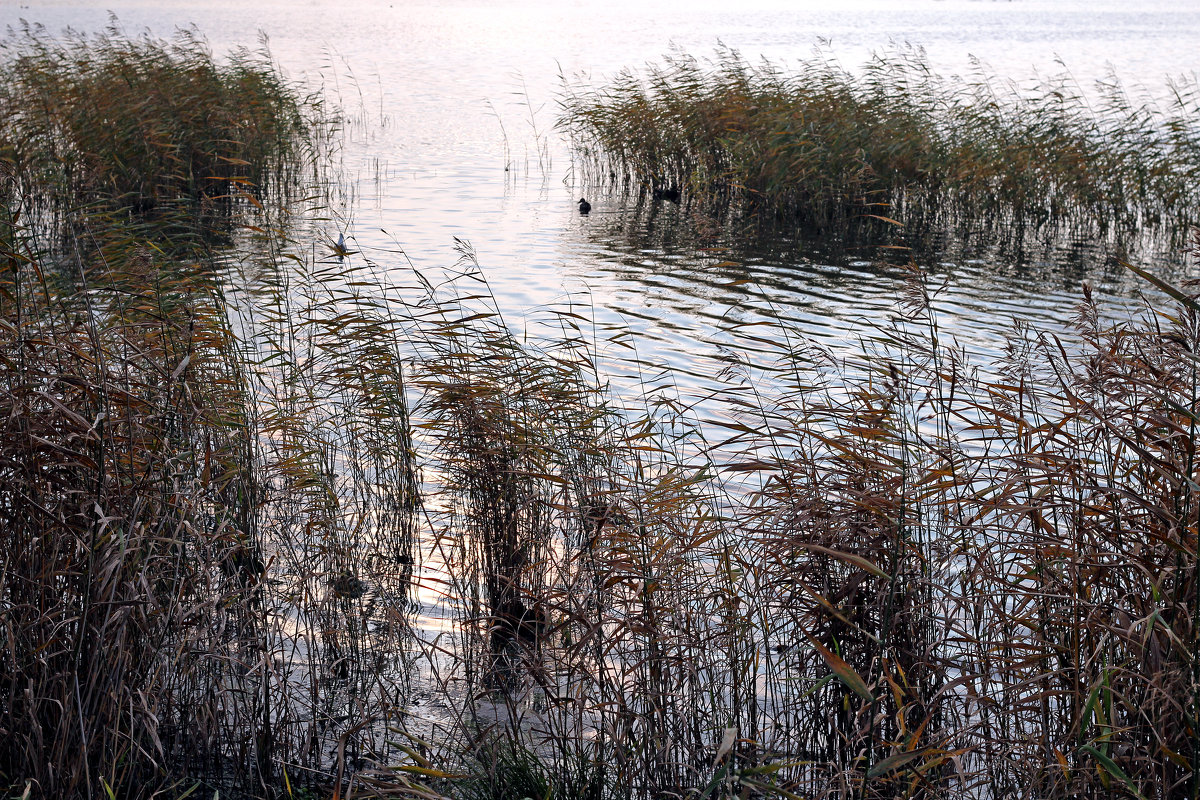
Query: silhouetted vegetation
187	463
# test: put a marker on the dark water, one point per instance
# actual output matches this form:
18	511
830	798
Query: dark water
450	108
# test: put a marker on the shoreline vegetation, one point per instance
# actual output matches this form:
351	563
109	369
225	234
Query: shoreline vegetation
819	145
231	467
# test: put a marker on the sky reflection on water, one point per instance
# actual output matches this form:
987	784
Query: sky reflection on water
441	97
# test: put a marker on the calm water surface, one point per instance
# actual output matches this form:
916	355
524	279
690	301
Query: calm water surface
442	97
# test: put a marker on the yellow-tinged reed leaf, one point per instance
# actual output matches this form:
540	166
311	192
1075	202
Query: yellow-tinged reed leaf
844	672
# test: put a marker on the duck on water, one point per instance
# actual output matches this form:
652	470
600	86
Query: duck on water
584	206
670	194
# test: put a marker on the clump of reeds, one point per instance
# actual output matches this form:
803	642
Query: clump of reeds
902	575
154	129
517	443
819	143
131	561
206	479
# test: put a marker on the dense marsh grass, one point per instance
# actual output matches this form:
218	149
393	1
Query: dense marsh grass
942	579
206	486
820	144
154	130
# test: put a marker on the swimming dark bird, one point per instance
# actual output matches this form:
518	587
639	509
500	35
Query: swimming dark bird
673	194
348	586
584	206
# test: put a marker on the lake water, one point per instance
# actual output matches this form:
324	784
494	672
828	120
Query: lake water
442	97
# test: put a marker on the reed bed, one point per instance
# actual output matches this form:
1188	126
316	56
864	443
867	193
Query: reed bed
151	130
206	484
226	474
818	143
938	580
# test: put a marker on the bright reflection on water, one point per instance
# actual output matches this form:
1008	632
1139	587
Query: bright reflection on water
441	97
